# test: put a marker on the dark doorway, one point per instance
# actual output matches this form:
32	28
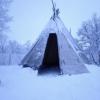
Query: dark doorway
50	61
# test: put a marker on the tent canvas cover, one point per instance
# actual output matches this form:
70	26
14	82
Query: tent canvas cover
55	48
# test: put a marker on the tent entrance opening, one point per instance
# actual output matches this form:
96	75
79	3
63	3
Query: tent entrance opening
51	56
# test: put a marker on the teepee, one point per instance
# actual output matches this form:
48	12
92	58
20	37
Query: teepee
55	48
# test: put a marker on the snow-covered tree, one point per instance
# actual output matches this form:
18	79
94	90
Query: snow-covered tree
14	50
89	42
3	43
14	47
4	17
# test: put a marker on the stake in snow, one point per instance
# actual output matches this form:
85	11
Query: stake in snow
55	49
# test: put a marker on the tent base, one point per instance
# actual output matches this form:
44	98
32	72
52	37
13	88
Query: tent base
49	70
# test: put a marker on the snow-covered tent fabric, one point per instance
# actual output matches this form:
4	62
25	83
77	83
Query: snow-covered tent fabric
69	61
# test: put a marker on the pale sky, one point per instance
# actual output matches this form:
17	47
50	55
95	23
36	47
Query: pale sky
31	16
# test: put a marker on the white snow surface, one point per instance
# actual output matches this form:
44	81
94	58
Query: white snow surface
19	83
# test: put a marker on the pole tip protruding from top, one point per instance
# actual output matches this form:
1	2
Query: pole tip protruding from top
55	10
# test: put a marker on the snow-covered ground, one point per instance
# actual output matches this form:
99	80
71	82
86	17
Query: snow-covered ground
24	84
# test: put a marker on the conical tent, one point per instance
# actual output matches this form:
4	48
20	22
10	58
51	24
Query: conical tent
55	48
